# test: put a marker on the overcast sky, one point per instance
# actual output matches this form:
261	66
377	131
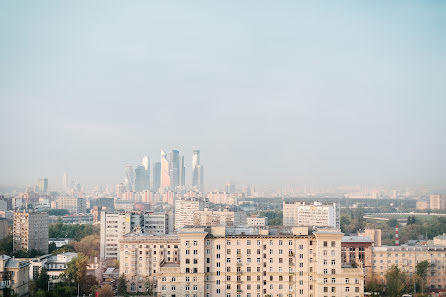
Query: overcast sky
271	92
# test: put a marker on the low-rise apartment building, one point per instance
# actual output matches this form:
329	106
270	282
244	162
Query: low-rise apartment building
240	261
407	257
14	277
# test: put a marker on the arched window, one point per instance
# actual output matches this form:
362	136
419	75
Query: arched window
133	287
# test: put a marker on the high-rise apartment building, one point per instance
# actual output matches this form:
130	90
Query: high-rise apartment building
30	231
72	204
184	211
230	261
218	218
165	175
438	202
314	214
129	178
115	225
197	172
174	169
156	176
43	185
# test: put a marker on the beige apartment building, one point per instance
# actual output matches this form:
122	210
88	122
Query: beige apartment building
315	214
407	257
14	277
437	202
218	218
184	211
240	261
74	205
30	231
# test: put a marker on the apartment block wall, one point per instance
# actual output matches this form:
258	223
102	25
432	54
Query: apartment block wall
218	264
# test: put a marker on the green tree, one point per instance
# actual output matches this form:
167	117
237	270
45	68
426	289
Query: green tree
6	245
52	247
106	291
122	285
76	273
421	269
392	223
396	282
42	280
374	286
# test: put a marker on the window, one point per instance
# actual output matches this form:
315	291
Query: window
347	289
325	243
333	243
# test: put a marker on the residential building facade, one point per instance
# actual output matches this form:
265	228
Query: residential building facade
30	231
239	261
314	214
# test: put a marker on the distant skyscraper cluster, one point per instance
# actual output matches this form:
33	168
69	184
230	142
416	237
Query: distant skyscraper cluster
167	175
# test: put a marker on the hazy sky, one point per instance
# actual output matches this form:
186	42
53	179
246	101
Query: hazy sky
271	92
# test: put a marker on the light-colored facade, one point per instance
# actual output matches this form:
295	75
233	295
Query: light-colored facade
437	202
230	261
184	211
54	265
407	257
218	218
14	277
115	225
373	234
30	231
311	214
357	250
74	205
165	177
256	221
422	205
156	223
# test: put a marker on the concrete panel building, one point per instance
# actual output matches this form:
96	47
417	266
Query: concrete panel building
314	214
30	231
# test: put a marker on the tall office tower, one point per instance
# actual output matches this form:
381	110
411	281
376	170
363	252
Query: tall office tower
156	176
314	214
182	172
197	172
65	183
140	179
200	178
174	169
195	163
165	177
146	164
30	231
43	185
128	178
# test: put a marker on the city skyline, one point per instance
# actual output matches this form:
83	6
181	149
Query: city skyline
272	94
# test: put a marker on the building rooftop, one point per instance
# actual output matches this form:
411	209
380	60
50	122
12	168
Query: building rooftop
358	239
